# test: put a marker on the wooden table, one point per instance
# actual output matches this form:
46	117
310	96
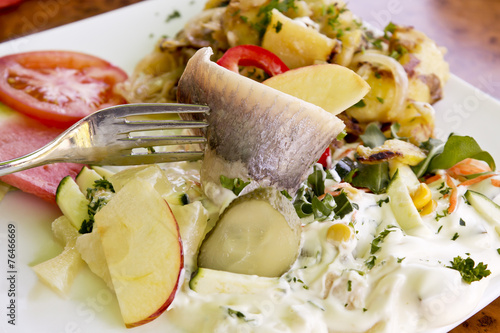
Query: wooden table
470	30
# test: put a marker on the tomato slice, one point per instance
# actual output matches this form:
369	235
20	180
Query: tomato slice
8	3
252	55
58	87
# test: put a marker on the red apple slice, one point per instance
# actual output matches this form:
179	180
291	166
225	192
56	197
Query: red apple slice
143	250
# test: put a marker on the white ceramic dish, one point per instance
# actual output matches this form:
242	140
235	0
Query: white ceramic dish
123	37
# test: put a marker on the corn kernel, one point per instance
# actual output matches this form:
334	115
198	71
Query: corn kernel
422	196
339	232
429	208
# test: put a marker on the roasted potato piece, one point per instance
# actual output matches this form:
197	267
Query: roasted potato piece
295	43
394	149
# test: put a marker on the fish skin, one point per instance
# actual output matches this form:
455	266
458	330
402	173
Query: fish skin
255	132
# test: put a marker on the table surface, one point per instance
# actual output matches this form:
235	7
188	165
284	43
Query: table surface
470	30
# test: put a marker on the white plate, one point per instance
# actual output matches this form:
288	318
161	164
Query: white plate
123	37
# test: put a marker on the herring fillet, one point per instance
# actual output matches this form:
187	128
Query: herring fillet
255	132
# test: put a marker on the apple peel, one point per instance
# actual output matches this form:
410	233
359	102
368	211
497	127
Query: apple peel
143	250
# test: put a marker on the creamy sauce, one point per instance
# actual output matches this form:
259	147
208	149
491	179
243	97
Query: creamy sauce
331	289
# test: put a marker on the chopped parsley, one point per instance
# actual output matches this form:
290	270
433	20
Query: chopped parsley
360	104
455	236
383	201
380	238
236	314
370	262
265	13
175	14
443	189
278	26
443	214
297	280
97	196
468	271
462	222
398	52
349	285
381	100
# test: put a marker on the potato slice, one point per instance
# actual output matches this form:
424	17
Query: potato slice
295	43
59	272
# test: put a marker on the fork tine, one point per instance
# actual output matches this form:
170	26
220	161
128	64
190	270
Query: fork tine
141	109
149	125
156	157
149	141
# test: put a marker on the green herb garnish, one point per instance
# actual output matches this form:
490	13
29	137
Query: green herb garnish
175	14
97	196
234	184
468	271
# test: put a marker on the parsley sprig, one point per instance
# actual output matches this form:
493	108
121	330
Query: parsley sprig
468	270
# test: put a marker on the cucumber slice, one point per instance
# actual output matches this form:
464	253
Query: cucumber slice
105	173
209	281
488	209
72	202
402	205
257	234
86	178
405	172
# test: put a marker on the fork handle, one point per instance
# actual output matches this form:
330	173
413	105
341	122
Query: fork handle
37	158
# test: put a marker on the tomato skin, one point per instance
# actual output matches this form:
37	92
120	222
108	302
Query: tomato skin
9	3
326	159
58	88
252	55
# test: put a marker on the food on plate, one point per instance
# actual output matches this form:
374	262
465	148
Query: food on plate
252	56
329	86
143	250
209	281
256	133
58	87
295	43
393	230
126	233
257	234
60	271
41	181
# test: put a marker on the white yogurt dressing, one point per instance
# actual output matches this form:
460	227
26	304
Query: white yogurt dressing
331	289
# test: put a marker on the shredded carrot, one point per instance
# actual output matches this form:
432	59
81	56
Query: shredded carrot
453	194
495	182
345	153
468	166
336	189
333	193
477	179
353	217
433	179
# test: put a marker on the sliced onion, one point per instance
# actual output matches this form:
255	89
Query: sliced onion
426	111
203	24
398	72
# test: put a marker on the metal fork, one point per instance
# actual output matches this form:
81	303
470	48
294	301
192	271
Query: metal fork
109	137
